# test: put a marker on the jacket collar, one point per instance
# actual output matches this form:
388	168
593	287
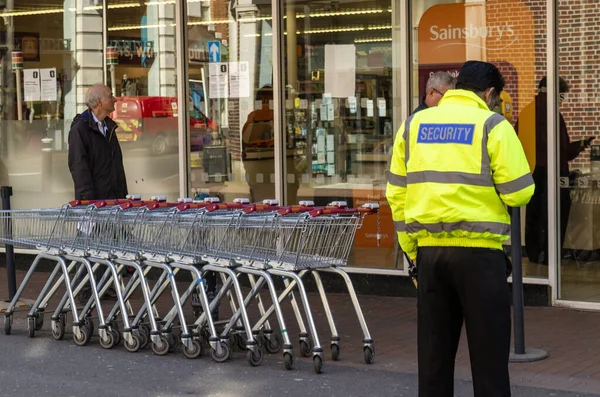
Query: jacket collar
463	97
92	123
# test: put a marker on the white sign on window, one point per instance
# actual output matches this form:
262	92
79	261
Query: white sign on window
48	78
218	73
31	80
239	79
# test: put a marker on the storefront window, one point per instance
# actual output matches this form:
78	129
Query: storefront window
512	35
579	161
40	97
145	84
231	100
61	44
339	114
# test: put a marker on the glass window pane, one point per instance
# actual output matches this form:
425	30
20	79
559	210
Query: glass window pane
145	84
231	100
40	99
340	115
579	152
512	35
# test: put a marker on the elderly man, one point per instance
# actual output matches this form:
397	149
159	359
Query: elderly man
95	157
436	87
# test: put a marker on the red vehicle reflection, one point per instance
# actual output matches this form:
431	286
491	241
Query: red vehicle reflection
152	122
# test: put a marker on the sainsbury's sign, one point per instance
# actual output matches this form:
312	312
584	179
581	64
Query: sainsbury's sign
470	31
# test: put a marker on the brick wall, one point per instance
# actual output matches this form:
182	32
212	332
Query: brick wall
524	62
514	52
579	60
219	11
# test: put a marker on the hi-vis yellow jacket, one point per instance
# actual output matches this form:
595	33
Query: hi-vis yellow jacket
453	168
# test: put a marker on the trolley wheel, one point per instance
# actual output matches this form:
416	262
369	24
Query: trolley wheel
318	364
335	352
110	342
135	344
305	349
273	345
194	351
7	324
116	336
241	342
114	325
173	343
31	326
144	339
85	335
161	348
255	359
90	324
288	360
39	319
145	329
224	356
369	355
58	330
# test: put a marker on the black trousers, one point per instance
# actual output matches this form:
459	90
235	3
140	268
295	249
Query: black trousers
536	217
459	284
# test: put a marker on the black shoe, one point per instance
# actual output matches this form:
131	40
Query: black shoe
110	294
84	295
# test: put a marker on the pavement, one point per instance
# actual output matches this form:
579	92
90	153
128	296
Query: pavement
42	366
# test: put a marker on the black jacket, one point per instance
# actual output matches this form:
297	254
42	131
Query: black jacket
95	161
422	106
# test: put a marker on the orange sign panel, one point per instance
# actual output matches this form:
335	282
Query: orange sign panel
441	38
373	225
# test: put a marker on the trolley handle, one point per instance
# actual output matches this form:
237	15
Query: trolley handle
332	211
97	203
224	206
160	204
150	205
298	209
369	208
261	208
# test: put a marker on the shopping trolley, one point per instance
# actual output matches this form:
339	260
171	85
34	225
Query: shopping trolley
51	231
287	241
312	239
207	243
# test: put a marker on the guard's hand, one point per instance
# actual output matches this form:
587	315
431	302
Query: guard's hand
589	140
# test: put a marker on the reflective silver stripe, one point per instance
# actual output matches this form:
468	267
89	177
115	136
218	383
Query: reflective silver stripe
406	137
473	227
462	178
488	126
400	226
396	180
516	185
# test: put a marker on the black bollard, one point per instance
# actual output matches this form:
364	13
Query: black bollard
11	275
520	353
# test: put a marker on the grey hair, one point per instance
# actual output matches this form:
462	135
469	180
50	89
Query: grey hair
94	94
440	80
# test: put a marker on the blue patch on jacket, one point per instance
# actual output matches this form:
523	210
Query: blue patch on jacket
446	133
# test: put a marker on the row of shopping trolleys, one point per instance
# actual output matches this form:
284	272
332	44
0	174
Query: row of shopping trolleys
260	241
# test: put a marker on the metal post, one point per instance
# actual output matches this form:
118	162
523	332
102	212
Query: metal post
183	92
47	169
520	353
11	275
278	7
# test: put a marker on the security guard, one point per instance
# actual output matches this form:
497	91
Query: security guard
454	168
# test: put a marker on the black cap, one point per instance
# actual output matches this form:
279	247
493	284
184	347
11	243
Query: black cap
562	85
479	76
